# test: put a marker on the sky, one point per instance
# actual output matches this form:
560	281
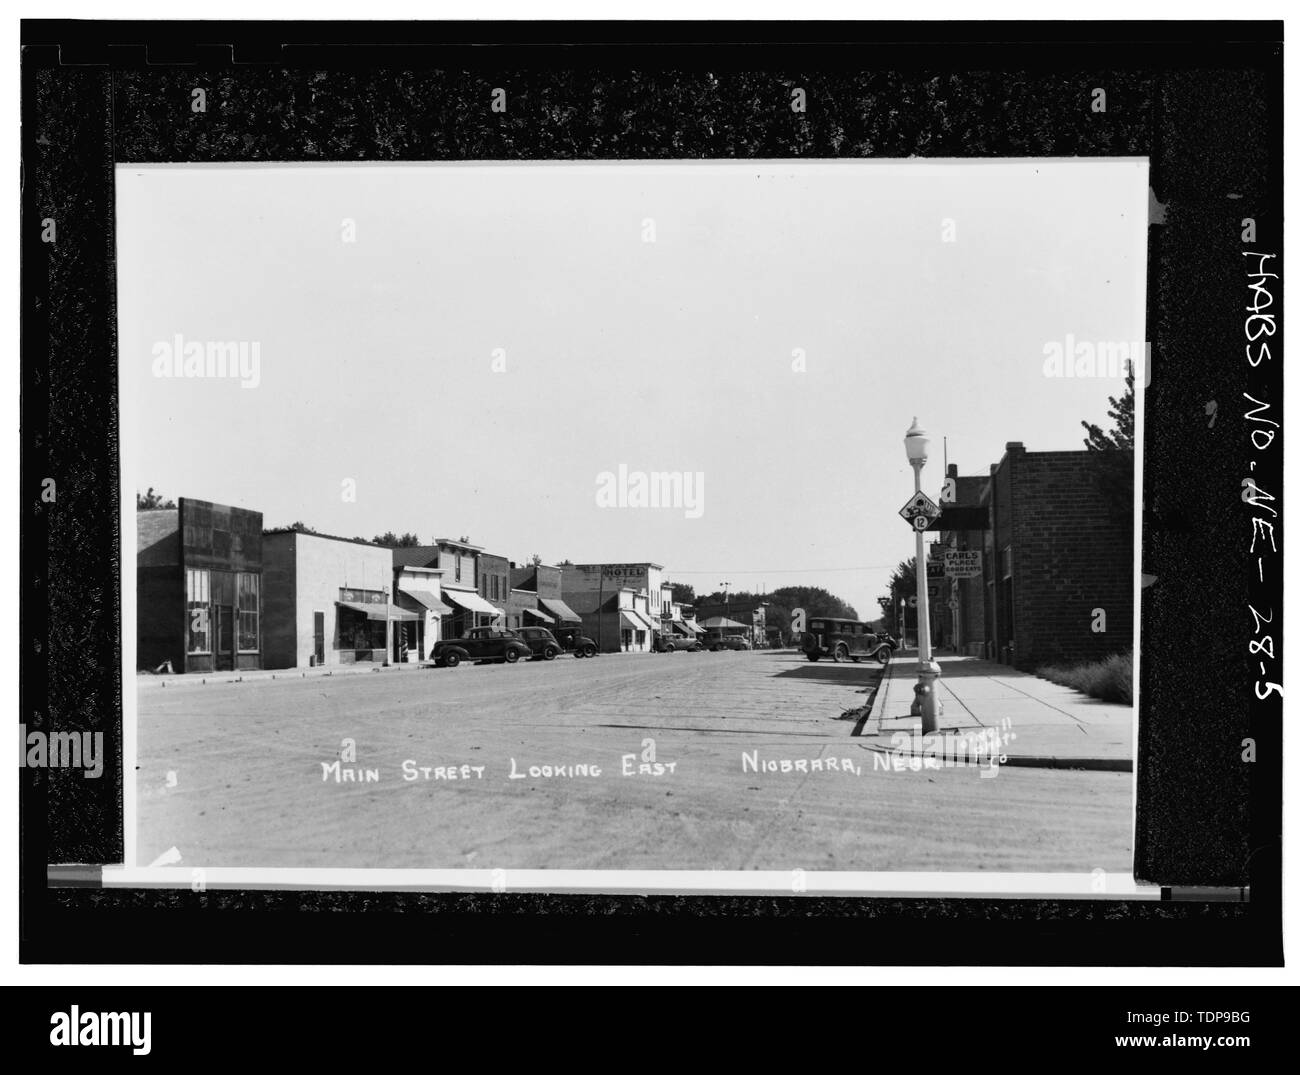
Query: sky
495	337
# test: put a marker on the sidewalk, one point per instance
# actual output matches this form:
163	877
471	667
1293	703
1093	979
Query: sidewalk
1042	724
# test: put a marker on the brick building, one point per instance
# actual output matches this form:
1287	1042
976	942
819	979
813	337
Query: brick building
494	579
536	598
199	587
1057	568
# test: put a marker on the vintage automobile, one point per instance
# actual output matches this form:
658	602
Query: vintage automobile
481	644
842	640
728	642
572	640
544	645
677	642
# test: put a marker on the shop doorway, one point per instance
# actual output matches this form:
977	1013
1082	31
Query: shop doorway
318	638
225	638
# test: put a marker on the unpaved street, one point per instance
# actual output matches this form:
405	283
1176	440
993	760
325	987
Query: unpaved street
496	766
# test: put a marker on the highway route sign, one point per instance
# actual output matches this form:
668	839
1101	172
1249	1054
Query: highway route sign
920	511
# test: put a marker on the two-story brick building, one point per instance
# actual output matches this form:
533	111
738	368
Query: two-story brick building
1058	572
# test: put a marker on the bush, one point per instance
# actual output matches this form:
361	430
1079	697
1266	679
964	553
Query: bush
1110	680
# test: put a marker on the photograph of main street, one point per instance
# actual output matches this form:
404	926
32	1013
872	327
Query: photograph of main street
692	516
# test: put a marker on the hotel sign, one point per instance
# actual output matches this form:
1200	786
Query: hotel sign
621	572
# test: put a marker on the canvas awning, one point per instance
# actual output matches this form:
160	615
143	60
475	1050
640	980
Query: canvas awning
717	622
559	610
421	600
635	620
538	614
471	602
378	612
682	629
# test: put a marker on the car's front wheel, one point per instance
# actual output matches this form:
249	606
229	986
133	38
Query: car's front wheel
512	655
550	653
589	651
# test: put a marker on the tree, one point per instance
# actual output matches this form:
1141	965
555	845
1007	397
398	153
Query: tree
683	593
902	585
152	501
814	600
536	560
302	528
1113	451
392	541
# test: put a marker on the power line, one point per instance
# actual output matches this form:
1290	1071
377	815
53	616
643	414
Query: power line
787	570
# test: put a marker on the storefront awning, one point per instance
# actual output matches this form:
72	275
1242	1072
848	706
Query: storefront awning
421	600
559	610
681	627
538	615
379	612
471	602
635	620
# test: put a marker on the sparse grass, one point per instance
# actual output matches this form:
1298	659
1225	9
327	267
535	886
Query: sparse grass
1110	680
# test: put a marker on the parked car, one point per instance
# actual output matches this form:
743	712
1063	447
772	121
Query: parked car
572	640
481	644
677	642
843	640
729	642
543	644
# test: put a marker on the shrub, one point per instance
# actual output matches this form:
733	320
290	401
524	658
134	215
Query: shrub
1110	680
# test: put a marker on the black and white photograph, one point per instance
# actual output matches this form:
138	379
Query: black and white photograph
529	497
570	517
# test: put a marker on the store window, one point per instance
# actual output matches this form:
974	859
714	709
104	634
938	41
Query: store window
458	567
197	611
248	588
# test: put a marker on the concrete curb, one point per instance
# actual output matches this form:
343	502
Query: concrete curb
878	699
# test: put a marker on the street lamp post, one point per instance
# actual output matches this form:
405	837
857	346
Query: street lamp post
926	704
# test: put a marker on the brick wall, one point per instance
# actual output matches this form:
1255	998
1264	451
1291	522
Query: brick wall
494	578
280	601
160	616
1069	558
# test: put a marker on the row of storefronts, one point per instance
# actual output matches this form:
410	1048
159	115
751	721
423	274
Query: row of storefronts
217	592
